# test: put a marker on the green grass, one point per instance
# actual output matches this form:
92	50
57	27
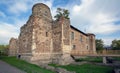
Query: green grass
25	66
86	68
116	58
90	59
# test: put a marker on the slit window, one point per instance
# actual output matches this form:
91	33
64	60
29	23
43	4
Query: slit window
73	46
46	34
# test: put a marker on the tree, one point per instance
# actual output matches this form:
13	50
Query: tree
3	49
115	45
99	44
62	12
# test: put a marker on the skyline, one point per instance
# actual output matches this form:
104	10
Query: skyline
100	17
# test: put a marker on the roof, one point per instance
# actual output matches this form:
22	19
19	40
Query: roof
78	30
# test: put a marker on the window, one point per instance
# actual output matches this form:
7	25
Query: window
72	35
81	39
87	47
73	46
46	13
87	39
46	34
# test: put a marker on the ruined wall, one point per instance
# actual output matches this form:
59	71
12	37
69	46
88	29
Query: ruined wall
66	44
57	37
13	47
57	41
25	40
42	33
35	38
61	35
43	40
61	42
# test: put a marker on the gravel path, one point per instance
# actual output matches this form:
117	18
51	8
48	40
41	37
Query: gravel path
6	68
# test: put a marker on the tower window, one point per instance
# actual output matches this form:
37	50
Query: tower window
46	34
87	47
73	46
46	13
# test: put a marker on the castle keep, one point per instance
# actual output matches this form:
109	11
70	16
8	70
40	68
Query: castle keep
43	40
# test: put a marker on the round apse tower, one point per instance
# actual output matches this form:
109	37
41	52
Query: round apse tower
41	9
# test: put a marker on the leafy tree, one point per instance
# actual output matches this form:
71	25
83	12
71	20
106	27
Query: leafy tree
99	44
62	12
3	49
115	45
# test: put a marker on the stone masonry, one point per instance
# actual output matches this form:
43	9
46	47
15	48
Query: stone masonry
13	47
43	40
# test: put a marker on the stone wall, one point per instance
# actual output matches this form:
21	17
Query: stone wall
57	37
92	44
25	40
13	47
61	41
36	35
82	43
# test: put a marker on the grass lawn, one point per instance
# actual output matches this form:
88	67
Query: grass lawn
86	68
116	58
25	66
90	59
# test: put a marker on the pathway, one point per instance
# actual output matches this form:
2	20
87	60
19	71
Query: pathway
6	68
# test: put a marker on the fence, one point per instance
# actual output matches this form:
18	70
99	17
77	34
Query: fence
102	52
105	52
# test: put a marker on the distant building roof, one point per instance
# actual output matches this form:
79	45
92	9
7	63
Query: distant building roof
87	34
78	30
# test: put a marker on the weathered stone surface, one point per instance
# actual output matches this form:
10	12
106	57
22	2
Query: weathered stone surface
13	47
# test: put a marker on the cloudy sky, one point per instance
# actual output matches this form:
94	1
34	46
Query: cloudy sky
101	17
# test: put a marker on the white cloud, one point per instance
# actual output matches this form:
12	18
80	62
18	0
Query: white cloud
95	17
18	7
103	24
107	41
7	31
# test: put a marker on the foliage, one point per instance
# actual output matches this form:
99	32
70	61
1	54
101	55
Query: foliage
116	58
115	45
90	59
99	44
62	12
25	66
86	68
3	49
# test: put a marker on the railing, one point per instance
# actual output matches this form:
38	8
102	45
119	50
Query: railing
81	53
103	52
